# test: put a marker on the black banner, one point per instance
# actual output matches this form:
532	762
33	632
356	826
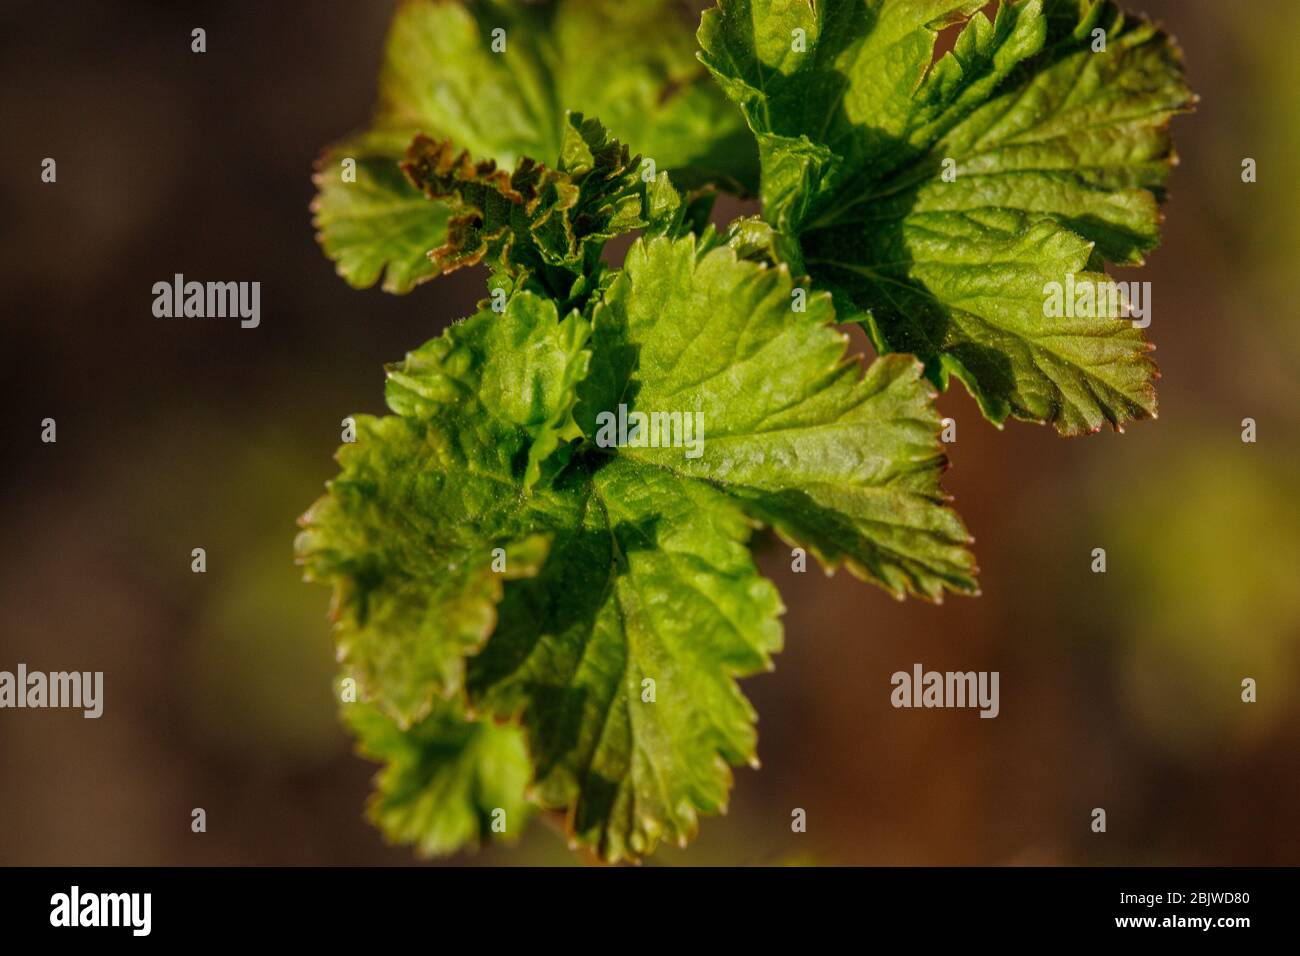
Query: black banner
332	906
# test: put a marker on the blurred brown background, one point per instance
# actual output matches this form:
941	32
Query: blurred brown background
1119	690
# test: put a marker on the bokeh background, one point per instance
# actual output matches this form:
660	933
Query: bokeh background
1119	690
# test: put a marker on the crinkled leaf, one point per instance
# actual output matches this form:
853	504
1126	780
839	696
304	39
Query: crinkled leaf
843	464
511	377
621	657
446	779
971	298
1060	156
378	225
618	651
429	514
631	64
540	224
411	598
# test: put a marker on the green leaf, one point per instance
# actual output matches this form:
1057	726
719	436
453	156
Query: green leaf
626	563
446	780
441	78
843	464
413	595
510	378
429	514
1060	155
652	582
379	225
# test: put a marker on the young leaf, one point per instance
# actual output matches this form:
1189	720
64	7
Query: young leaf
512	378
430	513
844	465
618	649
1059	154
441	77
537	225
652	582
446	780
379	225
